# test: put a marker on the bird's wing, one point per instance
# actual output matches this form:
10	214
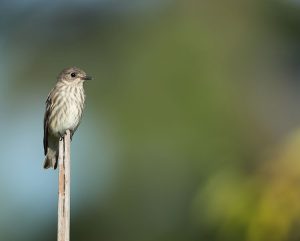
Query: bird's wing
46	122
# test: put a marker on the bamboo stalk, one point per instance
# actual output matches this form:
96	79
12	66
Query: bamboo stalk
64	161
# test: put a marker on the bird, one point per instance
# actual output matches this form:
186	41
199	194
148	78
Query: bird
64	108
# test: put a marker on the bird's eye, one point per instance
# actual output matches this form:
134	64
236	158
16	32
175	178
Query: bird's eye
73	74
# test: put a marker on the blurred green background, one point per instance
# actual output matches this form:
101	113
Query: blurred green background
192	125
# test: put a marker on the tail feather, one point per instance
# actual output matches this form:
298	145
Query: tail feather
51	159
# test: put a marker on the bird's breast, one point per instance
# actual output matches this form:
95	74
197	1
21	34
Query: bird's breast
67	112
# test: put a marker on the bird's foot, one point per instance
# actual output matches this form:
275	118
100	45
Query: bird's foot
61	137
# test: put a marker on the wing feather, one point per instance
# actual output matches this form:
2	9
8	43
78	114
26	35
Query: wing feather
46	122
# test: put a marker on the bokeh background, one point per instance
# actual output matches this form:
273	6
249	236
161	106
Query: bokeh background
192	125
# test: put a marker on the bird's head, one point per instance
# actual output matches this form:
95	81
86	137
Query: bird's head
73	75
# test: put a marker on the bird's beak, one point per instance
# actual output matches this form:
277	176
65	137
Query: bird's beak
87	77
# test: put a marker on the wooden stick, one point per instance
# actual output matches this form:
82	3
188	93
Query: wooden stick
64	161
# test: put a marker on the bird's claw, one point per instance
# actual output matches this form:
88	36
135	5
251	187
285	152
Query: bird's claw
61	137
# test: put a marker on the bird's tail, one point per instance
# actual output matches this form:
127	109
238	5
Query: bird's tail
51	158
